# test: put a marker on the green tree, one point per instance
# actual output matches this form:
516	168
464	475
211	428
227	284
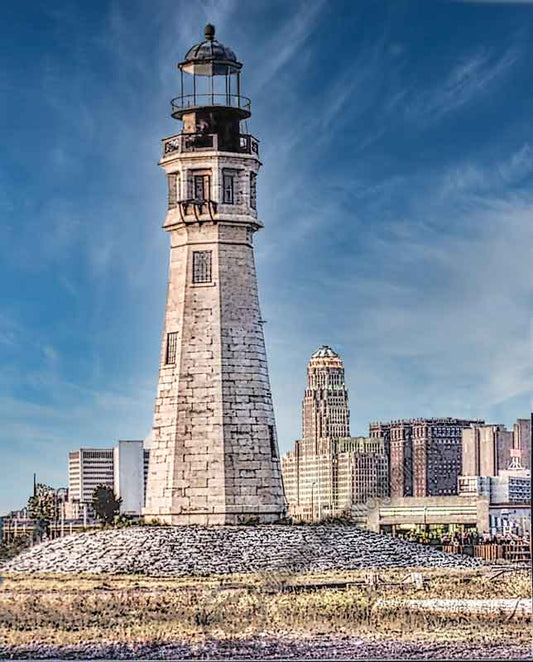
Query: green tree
43	507
105	504
9	550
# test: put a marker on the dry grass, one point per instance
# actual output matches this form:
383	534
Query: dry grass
66	610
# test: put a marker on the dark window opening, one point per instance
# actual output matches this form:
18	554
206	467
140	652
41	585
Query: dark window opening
202	186
272	438
172	344
201	266
228	185
253	190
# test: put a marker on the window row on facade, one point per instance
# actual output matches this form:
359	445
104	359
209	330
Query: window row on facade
199	187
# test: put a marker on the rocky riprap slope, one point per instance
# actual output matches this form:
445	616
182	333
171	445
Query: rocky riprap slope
199	550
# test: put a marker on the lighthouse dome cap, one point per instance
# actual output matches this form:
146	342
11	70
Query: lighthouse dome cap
210	50
325	352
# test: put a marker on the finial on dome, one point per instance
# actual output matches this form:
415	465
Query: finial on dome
209	32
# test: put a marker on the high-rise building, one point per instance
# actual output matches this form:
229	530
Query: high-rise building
362	470
123	467
486	450
325	412
214	451
328	471
89	467
522	442
425	454
128	473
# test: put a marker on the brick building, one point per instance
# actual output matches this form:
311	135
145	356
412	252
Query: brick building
425	454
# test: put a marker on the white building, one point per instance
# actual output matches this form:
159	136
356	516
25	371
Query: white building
129	476
509	495
511	487
508	487
88	467
124	468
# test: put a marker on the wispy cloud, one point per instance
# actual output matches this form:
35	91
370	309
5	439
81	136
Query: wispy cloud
288	41
466	81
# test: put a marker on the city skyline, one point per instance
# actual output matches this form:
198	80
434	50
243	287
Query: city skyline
397	224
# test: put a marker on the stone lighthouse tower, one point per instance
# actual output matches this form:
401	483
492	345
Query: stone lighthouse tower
214	456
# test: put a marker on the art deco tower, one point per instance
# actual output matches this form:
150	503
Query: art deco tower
214	456
325	412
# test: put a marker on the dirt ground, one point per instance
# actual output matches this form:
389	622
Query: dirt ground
289	616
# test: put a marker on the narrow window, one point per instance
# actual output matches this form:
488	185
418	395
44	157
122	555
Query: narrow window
253	190
201	266
273	449
202	187
173	189
172	343
228	183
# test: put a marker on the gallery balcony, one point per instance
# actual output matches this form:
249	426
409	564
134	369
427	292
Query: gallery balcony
199	142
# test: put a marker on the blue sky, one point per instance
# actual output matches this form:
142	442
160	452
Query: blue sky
396	193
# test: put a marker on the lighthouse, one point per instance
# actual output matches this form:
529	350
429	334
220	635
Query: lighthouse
214	456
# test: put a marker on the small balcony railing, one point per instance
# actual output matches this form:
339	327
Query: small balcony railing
197	142
197	208
248	144
190	101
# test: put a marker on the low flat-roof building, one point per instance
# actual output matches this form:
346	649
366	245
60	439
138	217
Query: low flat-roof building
447	515
512	486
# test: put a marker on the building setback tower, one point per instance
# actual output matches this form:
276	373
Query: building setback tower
214	454
325	410
328	472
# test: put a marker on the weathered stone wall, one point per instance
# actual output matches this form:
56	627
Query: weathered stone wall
214	457
252	465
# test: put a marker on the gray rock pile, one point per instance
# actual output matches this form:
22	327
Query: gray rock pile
176	551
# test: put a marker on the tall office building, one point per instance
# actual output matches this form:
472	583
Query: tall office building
328	471
129	476
425	454
325	412
89	467
522	442
486	450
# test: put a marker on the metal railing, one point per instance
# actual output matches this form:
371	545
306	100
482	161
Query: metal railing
193	142
186	101
520	552
248	144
